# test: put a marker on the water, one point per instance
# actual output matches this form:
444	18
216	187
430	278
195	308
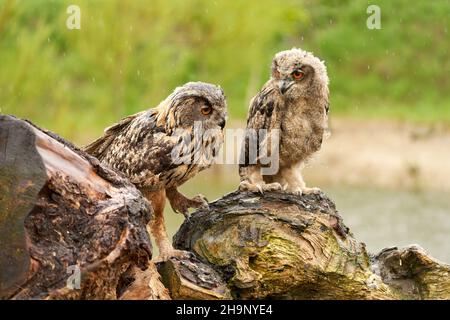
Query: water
383	218
378	217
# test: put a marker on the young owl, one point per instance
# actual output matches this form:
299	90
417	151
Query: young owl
161	148
290	113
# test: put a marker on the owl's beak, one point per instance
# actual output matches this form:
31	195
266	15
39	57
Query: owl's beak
284	85
222	123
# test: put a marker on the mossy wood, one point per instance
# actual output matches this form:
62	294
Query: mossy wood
281	246
61	208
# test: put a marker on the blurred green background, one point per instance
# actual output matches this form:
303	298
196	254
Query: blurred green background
391	182
130	55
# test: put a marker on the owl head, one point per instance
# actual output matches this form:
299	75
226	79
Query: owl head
193	103
299	74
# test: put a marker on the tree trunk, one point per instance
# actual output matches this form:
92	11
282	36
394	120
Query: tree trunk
70	228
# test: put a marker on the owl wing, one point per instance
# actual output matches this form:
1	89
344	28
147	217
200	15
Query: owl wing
99	147
263	117
137	147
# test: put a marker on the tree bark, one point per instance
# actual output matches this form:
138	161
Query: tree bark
281	246
70	228
61	212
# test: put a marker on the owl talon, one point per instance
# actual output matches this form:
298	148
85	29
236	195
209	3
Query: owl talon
259	187
274	186
181	204
311	191
187	215
252	187
301	191
200	202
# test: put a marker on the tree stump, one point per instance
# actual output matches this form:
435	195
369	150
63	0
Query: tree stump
70	228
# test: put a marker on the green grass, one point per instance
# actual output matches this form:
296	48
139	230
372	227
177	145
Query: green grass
129	56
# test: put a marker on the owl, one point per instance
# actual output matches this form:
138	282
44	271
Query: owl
161	148
287	122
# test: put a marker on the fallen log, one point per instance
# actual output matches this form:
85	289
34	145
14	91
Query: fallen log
281	246
70	228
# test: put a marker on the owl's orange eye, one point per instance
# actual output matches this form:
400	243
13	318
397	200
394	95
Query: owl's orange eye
297	74
206	110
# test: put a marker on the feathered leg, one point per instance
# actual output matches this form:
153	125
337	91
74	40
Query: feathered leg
158	228
252	180
292	180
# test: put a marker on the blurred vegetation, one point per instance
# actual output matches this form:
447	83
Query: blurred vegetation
129	55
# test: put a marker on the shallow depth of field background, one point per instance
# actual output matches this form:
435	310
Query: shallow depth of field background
386	164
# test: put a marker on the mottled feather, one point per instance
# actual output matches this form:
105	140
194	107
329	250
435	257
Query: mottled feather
141	145
263	117
98	147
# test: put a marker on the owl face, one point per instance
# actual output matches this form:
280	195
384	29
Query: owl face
198	102
298	73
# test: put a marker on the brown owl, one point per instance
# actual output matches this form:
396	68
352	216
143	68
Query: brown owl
161	148
287	121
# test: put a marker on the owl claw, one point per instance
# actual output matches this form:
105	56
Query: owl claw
181	204
252	187
274	186
187	215
311	190
301	191
259	187
200	202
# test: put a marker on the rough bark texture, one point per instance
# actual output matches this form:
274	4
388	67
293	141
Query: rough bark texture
192	279
282	246
59	208
61	211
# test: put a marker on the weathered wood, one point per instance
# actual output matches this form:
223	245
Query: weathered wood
62	212
282	246
413	273
22	176
189	278
144	285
